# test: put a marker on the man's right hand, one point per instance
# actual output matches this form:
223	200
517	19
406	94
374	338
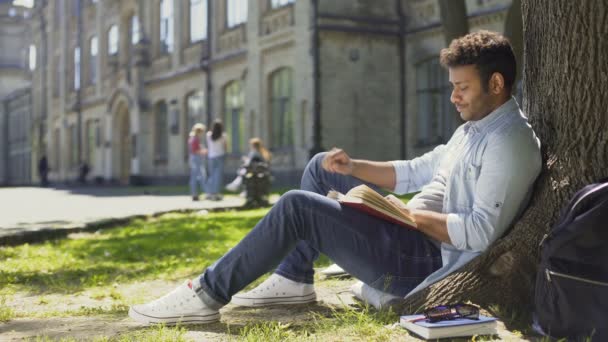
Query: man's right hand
336	160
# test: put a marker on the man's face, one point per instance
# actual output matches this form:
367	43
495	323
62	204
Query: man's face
471	100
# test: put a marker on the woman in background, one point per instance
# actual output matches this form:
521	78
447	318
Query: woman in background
257	154
196	153
216	144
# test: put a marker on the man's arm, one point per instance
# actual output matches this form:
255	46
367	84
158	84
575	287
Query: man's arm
381	174
398	176
432	224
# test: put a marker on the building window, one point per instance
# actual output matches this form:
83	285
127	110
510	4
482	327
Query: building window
134	29
437	119
280	3
166	26
113	40
73	146
233	116
161	134
198	20
90	142
195	112
32	57
236	12
77	68
195	108
93	50
281	106
58	73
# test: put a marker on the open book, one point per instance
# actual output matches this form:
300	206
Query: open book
454	328
364	198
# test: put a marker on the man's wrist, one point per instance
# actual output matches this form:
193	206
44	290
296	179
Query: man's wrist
354	164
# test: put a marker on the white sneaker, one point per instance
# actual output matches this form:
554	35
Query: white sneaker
367	294
334	271
182	305
276	290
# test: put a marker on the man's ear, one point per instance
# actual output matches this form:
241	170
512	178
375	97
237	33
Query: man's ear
497	83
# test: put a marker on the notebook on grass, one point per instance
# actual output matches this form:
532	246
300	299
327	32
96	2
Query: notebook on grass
452	328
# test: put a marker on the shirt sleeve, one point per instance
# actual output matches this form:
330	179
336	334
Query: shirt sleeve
412	175
509	168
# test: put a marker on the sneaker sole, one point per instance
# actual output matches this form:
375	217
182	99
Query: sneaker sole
189	319
256	302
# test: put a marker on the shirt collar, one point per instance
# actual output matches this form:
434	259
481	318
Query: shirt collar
496	116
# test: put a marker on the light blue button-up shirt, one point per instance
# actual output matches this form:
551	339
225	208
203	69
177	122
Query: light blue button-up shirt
482	179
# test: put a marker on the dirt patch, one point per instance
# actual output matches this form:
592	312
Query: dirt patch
331	294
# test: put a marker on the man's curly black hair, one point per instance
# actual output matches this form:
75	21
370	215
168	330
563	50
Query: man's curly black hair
489	51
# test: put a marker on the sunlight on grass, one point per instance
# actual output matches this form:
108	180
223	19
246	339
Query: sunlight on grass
6	313
343	323
169	247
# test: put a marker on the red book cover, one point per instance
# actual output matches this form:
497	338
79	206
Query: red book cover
376	213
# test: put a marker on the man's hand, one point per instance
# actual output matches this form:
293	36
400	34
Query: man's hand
338	161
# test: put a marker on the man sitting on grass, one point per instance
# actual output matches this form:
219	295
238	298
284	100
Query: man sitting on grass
472	189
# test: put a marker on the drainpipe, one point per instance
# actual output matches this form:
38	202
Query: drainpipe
402	83
316	138
206	64
78	106
43	71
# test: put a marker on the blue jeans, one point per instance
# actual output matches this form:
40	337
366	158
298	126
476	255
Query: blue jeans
303	223
216	175
198	175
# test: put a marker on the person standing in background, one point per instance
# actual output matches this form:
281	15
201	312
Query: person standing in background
43	171
216	142
197	152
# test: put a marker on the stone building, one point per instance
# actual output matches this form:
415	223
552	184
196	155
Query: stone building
121	82
17	58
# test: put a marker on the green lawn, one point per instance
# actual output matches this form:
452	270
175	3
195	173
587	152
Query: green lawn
171	247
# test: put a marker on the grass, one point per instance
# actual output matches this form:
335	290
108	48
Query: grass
170	247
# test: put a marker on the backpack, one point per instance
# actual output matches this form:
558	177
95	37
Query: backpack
571	294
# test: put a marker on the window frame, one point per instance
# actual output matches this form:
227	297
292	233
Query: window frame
204	4
93	59
282	135
161	133
233	20
166	27
438	121
233	101
113	33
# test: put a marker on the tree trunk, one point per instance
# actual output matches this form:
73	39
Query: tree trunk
454	19
566	99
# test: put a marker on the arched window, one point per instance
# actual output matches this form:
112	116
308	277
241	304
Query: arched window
281	108
198	20
93	50
113	40
166	26
161	134
233	116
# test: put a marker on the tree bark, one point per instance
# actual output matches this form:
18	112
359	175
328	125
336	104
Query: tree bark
566	99
454	19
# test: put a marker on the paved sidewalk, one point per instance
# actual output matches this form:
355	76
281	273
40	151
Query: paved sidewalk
29	213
